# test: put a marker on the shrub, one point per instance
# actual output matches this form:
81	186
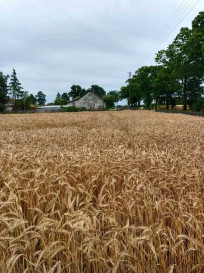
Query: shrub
69	109
72	109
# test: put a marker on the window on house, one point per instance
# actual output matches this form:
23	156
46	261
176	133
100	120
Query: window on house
85	104
90	97
73	103
96	104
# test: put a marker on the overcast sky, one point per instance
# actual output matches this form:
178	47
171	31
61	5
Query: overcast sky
55	44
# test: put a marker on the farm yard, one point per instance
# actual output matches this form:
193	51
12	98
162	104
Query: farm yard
101	192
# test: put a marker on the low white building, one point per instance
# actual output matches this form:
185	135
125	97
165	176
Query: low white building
49	108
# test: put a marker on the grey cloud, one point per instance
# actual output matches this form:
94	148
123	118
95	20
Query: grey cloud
54	44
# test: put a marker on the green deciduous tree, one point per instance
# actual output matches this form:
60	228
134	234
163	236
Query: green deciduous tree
143	85
109	100
97	90
194	90
115	94
135	94
41	98
198	105
166	88
184	57
131	92
76	91
123	93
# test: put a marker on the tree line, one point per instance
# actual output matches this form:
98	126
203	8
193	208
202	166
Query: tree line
13	92
76	91
178	76
22	100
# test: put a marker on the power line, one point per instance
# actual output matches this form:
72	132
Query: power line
178	12
187	10
169	22
177	23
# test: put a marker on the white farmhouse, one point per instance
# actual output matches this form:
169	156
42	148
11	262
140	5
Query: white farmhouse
90	101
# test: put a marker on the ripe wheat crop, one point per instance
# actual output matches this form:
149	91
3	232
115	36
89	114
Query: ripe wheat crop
101	192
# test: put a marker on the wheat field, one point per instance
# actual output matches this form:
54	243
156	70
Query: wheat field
101	192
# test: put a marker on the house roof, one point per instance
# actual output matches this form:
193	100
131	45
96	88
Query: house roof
85	95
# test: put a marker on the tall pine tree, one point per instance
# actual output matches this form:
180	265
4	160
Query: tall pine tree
15	87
